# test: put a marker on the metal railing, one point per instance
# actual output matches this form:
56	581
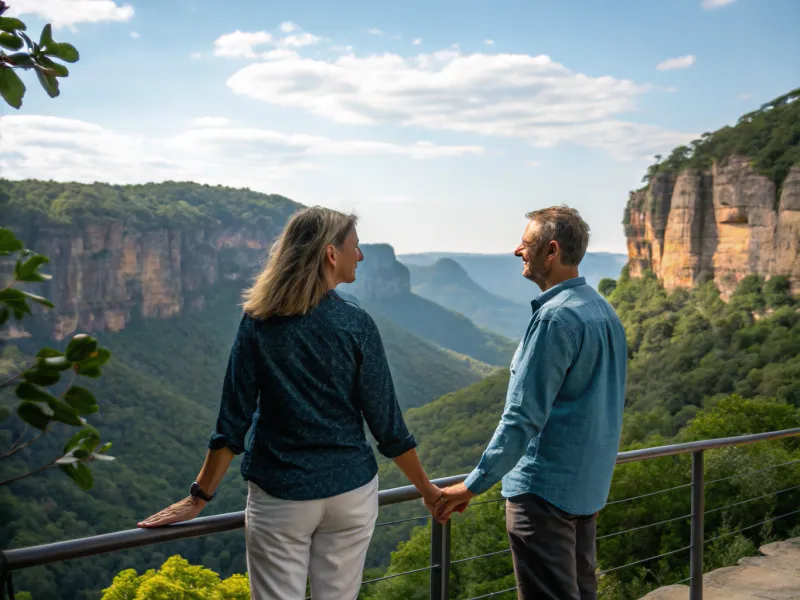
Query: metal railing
440	558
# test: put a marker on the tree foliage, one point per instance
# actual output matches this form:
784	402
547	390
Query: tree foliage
769	136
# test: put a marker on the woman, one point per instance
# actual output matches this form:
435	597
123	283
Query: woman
306	369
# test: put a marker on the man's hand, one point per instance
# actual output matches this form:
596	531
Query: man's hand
184	510
455	498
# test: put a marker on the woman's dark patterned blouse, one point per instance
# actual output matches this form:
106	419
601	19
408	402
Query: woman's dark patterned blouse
302	386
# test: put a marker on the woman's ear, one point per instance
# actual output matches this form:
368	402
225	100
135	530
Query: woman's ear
330	253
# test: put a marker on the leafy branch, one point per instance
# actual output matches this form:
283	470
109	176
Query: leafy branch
38	408
27	54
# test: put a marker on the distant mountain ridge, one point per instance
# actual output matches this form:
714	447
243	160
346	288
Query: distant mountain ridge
501	274
448	284
383	286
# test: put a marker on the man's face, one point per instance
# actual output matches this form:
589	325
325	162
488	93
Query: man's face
536	264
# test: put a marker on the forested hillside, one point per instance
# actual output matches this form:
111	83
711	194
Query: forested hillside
159	402
719	370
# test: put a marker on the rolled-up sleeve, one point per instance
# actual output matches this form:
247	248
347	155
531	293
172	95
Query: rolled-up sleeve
377	398
239	392
540	369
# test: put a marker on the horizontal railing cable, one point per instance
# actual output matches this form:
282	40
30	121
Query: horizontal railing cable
387	523
463	560
775	493
791	462
789	514
677	487
493	594
609	535
411	572
644	560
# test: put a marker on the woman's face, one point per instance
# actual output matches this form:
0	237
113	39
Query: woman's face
347	257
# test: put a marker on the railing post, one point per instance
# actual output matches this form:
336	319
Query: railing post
697	539
440	561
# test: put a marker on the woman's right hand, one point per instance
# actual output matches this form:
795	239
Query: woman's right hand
185	510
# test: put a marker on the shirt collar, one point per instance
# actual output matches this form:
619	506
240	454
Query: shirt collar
554	291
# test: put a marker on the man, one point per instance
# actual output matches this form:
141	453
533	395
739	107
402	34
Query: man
556	444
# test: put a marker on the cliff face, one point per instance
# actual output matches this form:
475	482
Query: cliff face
379	275
723	225
105	274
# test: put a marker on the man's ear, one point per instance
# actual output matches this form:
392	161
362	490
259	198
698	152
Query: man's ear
553	250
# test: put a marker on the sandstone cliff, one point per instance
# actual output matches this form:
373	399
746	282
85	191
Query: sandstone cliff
722	224
105	274
380	275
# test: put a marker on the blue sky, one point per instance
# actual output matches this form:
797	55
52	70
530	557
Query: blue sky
440	124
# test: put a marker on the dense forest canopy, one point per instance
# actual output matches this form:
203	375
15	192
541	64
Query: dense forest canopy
769	136
168	204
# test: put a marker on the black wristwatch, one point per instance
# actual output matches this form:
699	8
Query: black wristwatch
195	491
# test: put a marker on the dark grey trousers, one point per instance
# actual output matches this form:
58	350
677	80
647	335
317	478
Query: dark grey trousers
553	551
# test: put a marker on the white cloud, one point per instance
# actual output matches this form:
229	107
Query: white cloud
375	31
744	97
240	44
417	41
46	147
67	13
489	42
681	62
197	55
211	122
288	27
135	35
505	95
303	39
712	4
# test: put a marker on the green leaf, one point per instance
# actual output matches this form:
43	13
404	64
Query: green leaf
93	372
22	59
26	271
80	474
41	376
48	353
88	437
11	25
28	40
55	363
11	87
4	316
81	399
64	51
97	456
34	415
9	242
49	83
46	39
105	447
39	299
64	413
96	359
11	41
58	69
28	391
80	347
9	294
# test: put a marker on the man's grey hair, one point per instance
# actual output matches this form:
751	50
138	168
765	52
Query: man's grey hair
564	225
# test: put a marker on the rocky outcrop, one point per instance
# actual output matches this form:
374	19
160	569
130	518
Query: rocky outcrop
723	225
106	274
379	275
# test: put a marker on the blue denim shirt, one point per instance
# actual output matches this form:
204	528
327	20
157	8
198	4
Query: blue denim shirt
303	387
559	434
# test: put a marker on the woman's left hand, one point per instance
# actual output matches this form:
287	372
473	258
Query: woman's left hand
185	510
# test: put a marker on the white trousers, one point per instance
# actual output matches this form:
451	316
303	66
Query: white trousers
288	540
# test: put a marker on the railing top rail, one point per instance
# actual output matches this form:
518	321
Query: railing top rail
21	558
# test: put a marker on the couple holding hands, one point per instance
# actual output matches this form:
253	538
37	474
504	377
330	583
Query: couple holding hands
307	369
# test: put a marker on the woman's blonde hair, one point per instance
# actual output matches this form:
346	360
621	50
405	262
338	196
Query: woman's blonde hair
293	279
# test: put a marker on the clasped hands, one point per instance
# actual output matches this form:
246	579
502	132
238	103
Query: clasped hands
452	499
